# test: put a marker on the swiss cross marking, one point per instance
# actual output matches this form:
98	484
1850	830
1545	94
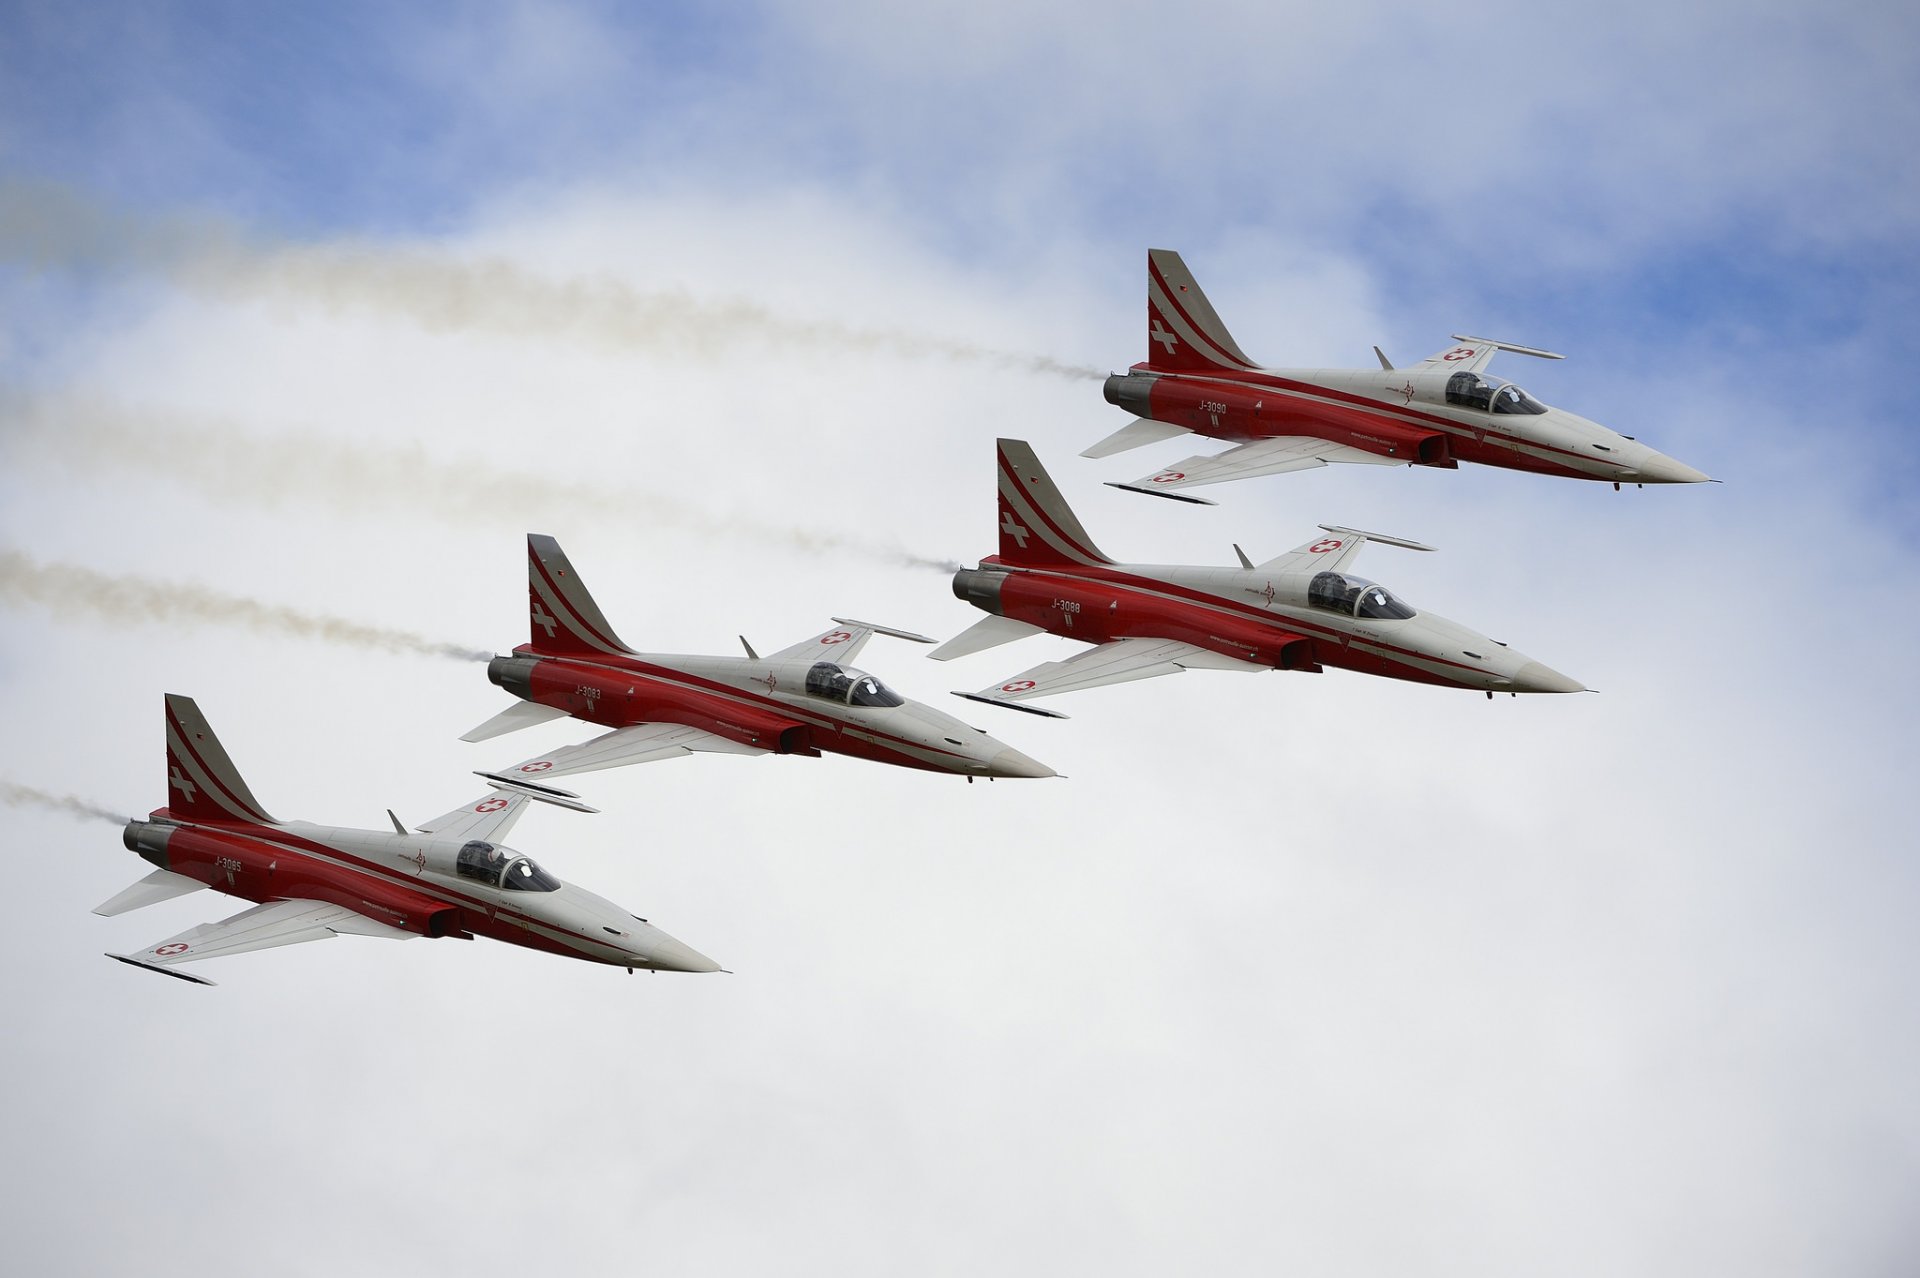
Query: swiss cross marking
1457	354
1018	685
837	636
541	619
1325	544
541	766
180	783
1169	476
1167	340
489	805
177	947
1015	529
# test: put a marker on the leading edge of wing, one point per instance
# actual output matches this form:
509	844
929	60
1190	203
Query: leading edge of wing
266	926
1275	456
1121	661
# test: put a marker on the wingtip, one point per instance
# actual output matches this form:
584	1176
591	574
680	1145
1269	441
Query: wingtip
1012	705
1155	492
131	961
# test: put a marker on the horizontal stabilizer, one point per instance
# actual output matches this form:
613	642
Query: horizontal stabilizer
988	632
1004	704
521	714
161	885
1137	433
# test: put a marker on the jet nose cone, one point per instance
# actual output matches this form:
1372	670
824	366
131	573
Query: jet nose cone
665	954
1534	677
1658	468
1011	763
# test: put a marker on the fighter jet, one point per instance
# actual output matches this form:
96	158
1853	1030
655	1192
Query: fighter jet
1441	412
451	878
1301	611
806	699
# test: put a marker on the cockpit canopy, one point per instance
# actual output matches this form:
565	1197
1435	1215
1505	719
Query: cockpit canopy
1491	395
503	868
1355	597
849	687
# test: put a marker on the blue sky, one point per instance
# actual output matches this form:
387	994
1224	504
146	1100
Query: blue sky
1327	974
1719	183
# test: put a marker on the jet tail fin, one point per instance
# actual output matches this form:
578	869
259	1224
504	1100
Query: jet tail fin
1037	527
1184	332
563	618
202	783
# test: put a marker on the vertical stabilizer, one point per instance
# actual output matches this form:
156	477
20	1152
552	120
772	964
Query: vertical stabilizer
1036	524
1183	330
202	783
563	618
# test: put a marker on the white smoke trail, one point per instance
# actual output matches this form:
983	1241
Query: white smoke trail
71	590
17	796
228	465
55	227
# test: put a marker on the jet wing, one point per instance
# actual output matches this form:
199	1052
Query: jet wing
1121	661
488	817
1273	456
1470	354
1334	551
260	928
842	644
641	743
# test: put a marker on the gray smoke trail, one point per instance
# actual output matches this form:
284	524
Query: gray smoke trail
228	465
66	588
18	796
51	226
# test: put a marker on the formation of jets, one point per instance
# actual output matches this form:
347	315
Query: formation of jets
1302	611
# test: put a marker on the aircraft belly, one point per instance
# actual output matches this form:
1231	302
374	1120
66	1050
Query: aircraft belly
1364	656
860	745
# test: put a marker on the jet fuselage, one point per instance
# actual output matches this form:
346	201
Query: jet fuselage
1399	413
761	703
413	882
1263	617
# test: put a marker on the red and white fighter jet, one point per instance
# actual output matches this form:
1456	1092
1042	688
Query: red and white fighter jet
1301	611
450	878
806	699
1441	412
